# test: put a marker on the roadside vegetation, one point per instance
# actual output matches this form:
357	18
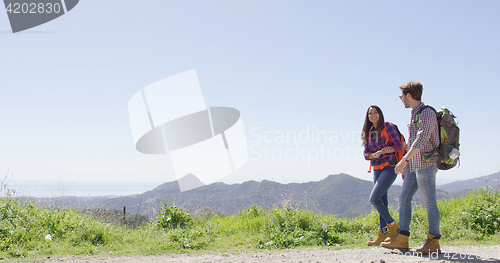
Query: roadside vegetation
28	231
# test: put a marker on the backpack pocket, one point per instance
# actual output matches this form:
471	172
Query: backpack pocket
431	157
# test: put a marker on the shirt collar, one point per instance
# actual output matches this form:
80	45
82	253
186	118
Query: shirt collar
373	127
418	107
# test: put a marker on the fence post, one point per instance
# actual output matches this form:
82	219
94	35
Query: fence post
124	216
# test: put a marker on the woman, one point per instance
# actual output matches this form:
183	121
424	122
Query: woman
381	153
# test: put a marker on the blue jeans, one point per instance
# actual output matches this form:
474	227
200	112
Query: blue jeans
425	180
382	180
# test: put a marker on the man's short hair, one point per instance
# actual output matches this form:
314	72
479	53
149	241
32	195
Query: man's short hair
413	87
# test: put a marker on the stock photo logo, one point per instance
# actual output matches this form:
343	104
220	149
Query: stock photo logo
170	116
25	14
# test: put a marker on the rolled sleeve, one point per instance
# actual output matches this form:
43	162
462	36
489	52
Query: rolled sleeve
366	153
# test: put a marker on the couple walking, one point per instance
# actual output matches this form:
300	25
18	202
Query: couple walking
381	140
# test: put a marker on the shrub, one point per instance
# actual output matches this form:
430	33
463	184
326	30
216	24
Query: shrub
328	235
288	227
482	212
253	211
171	216
23	227
188	238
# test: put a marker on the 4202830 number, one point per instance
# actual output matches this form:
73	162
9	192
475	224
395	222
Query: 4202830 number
33	8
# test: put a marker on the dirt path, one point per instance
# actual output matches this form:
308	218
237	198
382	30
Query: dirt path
376	255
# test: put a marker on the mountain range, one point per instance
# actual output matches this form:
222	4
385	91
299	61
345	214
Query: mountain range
340	194
491	181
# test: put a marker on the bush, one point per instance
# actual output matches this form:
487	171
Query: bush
253	211
482	212
288	227
188	238
24	227
328	235
171	216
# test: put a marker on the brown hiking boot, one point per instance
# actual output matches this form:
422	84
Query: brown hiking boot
431	246
393	232
380	237
399	242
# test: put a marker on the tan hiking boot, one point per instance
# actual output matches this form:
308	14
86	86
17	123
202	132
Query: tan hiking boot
399	242
393	232
380	237
431	246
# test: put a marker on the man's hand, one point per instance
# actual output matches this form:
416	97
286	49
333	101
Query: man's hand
400	167
403	174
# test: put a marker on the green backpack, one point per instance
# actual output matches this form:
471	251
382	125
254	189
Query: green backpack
449	137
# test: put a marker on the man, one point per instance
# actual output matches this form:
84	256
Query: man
418	174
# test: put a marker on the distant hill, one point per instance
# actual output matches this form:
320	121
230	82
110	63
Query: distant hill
490	181
339	194
336	194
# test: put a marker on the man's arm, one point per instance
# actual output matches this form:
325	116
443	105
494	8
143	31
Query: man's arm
403	164
428	119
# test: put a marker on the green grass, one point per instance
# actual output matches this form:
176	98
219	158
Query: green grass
472	219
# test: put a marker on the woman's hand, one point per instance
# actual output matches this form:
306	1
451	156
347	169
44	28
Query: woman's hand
384	150
387	149
375	155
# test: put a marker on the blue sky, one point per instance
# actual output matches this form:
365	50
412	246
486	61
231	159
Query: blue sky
289	67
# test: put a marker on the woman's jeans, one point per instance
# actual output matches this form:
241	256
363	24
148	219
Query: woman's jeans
425	180
382	180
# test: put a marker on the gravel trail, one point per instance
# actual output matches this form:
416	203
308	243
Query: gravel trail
376	255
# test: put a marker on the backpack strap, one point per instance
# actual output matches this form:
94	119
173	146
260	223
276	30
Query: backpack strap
399	154
378	167
417	122
386	135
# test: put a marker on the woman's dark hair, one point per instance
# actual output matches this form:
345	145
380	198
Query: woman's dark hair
365	133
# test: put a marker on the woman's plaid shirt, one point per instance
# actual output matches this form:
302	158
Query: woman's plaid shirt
377	142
